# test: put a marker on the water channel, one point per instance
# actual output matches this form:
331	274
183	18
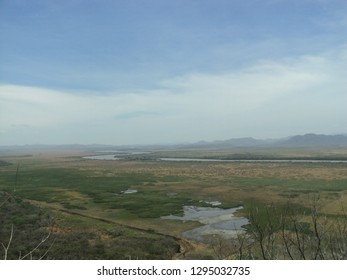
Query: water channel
120	156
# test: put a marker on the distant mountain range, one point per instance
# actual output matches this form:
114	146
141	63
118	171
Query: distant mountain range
314	140
297	141
307	140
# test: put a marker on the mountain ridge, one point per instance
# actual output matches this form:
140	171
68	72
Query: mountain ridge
305	140
296	141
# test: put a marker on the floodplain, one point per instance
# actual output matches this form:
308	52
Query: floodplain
293	202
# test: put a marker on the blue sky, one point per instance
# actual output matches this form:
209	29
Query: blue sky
143	72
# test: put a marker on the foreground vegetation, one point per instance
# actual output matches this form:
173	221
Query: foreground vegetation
81	208
30	232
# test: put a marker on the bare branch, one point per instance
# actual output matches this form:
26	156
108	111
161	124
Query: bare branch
38	245
7	247
284	236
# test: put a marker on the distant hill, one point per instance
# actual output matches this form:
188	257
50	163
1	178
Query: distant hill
230	143
297	141
307	140
314	140
58	148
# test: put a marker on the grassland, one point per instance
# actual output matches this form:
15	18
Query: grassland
89	209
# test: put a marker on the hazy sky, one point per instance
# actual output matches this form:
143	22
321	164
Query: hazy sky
168	71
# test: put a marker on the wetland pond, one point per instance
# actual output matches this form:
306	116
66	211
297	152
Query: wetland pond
215	222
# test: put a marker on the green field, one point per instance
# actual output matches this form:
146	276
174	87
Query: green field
83	208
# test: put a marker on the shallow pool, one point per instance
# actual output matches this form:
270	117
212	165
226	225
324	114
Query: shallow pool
216	222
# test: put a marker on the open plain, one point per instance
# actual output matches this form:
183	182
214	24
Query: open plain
114	209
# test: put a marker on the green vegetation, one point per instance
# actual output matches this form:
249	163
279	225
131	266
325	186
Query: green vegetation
4	163
87	210
24	226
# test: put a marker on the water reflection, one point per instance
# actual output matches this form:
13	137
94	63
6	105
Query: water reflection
216	222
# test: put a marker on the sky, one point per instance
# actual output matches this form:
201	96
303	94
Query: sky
125	72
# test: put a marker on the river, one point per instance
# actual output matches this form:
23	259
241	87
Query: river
119	156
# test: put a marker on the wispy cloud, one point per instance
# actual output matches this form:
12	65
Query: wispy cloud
268	99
